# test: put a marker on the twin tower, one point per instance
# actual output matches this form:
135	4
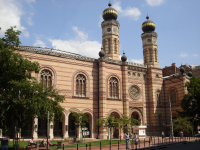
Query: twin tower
110	38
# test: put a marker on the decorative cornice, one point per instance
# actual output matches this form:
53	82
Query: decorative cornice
110	22
149	34
54	52
136	64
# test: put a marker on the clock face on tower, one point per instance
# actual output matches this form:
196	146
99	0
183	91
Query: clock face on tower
104	31
115	30
144	42
154	41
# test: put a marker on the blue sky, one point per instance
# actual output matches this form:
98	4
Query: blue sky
75	26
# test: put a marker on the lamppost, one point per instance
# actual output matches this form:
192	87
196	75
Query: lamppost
171	123
47	129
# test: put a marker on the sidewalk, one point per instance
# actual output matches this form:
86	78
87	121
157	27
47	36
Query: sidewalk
156	143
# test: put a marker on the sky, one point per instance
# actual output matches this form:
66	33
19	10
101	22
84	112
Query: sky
75	26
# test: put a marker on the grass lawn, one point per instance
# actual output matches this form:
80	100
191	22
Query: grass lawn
95	143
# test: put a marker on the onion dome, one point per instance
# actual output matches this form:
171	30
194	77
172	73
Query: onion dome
148	25
182	70
109	13
190	74
123	58
101	53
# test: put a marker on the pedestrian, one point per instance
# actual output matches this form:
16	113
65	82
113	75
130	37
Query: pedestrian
127	140
181	134
135	138
163	134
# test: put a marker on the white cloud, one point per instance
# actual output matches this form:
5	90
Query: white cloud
29	20
132	12
195	55
183	54
139	61
30	1
79	45
39	43
10	13
155	2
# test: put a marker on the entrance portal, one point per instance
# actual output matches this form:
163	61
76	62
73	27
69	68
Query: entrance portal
71	127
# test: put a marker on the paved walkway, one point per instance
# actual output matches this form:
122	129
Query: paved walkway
156	143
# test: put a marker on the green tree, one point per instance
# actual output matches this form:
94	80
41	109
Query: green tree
109	122
191	101
182	124
21	96
126	122
80	120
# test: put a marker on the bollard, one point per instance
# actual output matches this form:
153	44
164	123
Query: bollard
63	146
110	145
26	147
86	146
149	142
90	145
144	142
139	143
118	145
100	145
77	146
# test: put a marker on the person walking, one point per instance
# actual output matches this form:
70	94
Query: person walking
127	140
163	134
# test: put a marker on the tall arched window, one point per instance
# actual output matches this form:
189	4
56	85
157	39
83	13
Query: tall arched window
46	78
150	55
109	49
114	88
160	119
172	96
115	43
80	85
158	97
155	55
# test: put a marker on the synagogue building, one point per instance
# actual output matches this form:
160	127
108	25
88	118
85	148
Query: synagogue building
109	85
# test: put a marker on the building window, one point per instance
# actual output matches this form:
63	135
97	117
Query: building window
80	85
160	119
155	55
104	44
158	97
172	96
114	88
46	78
109	50
134	92
150	56
115	42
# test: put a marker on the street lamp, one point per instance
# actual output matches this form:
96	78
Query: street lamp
171	123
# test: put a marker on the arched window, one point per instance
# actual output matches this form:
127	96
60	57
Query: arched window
109	49
158	97
46	78
150	55
160	119
155	55
114	88
172	96
115	43
104	45
80	85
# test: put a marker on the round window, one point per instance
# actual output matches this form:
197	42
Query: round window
134	92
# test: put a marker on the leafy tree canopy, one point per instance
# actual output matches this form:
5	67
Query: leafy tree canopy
182	124
191	101
21	96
